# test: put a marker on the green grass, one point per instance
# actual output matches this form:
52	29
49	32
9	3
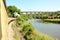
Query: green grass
53	19
43	36
16	36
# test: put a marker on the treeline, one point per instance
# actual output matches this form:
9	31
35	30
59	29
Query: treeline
51	15
45	15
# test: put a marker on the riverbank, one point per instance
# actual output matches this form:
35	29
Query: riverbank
56	21
29	32
47	28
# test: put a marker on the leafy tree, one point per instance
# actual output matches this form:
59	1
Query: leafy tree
11	10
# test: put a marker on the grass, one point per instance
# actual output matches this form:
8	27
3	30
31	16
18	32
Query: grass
44	36
16	36
55	21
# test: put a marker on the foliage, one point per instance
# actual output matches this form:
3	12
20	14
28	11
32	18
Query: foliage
19	21
52	20
46	15
11	10
24	16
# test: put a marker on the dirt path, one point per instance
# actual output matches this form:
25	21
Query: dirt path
10	32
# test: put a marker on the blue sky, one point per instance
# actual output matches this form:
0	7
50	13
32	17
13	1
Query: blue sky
35	5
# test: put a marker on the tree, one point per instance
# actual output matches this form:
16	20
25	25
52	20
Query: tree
11	10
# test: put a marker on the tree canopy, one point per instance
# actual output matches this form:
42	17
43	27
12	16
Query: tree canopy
11	10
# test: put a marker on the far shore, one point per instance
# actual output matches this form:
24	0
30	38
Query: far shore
56	21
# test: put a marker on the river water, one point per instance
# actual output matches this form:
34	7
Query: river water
47	28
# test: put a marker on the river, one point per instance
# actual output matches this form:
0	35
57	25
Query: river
47	28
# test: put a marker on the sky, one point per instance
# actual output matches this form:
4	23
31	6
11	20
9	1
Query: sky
35	5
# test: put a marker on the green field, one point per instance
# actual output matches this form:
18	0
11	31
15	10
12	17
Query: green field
52	20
